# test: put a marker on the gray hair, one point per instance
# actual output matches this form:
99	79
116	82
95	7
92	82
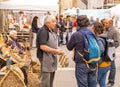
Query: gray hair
48	18
12	32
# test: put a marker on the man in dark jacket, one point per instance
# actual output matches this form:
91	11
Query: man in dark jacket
85	76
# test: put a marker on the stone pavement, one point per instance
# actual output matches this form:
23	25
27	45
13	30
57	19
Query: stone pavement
65	77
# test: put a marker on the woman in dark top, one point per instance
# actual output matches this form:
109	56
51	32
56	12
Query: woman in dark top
34	30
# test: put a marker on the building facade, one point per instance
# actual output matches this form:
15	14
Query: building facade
86	4
65	4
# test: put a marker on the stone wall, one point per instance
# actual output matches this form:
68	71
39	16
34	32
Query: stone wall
64	5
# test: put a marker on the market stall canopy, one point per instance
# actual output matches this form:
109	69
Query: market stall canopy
72	11
67	12
96	13
115	10
49	5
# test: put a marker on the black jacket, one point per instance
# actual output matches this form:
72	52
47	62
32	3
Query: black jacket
35	27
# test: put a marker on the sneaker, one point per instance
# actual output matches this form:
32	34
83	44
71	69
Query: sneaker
110	85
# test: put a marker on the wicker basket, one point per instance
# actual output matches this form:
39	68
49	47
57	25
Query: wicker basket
12	79
15	69
63	60
2	74
33	80
36	69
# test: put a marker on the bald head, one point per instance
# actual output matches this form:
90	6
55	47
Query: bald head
108	23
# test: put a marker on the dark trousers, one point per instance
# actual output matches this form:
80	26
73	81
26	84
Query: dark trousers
111	78
47	79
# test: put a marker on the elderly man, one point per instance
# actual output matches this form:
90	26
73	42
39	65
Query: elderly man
47	50
112	35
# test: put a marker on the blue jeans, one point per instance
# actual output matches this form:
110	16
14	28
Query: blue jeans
102	72
85	77
111	78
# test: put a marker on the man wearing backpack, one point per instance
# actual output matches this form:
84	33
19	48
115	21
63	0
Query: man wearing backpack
85	72
113	37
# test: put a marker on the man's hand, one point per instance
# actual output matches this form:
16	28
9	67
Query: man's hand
58	51
51	50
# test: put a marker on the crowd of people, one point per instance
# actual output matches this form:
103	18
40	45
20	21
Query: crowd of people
47	42
47	49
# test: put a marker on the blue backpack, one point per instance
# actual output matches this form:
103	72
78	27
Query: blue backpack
92	50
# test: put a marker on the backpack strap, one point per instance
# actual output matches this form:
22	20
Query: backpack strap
87	62
87	50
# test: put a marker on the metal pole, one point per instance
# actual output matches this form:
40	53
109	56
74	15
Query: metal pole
3	20
59	7
77	11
